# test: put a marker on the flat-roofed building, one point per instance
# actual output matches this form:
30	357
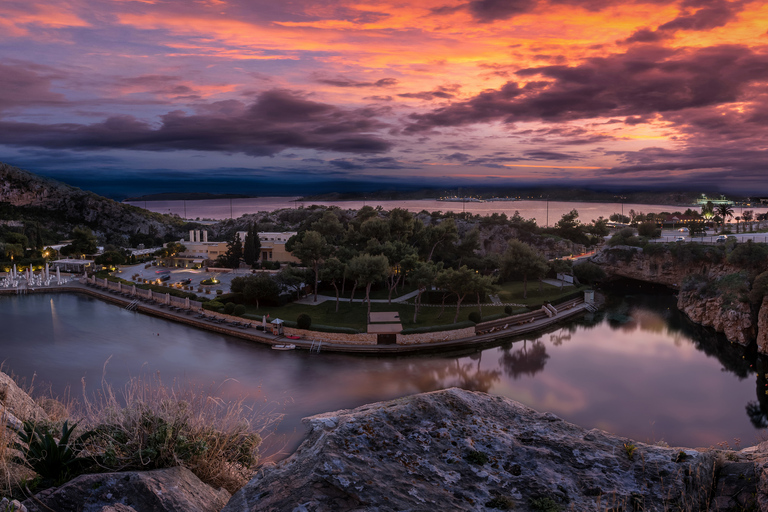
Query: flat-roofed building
273	245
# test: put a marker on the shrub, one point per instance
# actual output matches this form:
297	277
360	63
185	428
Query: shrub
53	459
588	272
759	288
648	230
475	317
229	308
508	310
213	305
152	426
304	321
239	310
476	457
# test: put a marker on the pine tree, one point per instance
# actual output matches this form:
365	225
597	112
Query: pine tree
249	248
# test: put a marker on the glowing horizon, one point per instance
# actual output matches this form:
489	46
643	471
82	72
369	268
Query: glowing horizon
556	91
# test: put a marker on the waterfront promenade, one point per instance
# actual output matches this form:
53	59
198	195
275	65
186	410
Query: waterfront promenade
235	326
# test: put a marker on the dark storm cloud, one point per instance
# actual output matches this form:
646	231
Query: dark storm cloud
277	120
346	82
442	92
24	84
548	155
488	11
710	14
643	81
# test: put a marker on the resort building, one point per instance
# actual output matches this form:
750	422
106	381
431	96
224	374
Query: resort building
273	246
200	252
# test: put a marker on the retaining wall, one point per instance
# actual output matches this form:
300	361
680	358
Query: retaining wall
434	337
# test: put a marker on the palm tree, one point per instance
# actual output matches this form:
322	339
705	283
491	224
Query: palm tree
748	216
724	210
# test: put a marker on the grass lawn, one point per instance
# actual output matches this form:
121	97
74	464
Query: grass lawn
513	292
381	292
354	315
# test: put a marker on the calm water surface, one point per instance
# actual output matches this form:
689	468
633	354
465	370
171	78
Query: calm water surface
639	369
545	213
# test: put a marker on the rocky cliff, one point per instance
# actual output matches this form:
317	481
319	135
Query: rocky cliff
712	291
445	450
65	204
462	450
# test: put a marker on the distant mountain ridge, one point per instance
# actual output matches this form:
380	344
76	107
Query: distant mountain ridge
188	196
54	203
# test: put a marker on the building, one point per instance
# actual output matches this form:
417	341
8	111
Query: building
273	246
199	251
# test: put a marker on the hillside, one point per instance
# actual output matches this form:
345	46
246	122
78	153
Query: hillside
57	208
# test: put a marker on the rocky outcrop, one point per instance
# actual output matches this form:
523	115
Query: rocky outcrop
16	405
162	490
762	327
461	450
737	320
733	319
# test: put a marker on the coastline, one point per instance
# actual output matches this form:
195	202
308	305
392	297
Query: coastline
499	331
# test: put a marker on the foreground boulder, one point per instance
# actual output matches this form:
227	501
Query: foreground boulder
461	450
162	490
16	405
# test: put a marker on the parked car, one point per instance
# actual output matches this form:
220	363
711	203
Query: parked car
165	277
721	239
185	282
680	239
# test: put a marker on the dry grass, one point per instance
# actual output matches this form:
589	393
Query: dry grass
148	425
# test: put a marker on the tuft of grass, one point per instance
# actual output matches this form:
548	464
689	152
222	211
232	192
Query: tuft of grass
545	505
630	449
476	457
501	503
150	425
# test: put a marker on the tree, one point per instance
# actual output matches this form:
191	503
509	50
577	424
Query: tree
396	252
259	287
251	246
522	260
366	270
110	258
312	249
291	278
461	281
588	272
696	228
329	226
748	216
725	211
170	250
423	276
483	285
440	235
231	259
401	224
649	230
333	272
84	242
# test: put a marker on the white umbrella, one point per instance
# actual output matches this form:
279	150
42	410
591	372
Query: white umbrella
14	271
186	303
58	275
168	298
133	290
47	271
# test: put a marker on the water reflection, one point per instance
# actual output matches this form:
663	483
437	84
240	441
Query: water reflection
638	368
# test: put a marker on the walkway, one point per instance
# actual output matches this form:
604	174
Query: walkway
309	300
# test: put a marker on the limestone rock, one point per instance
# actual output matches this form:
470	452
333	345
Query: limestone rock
462	450
734	321
18	403
762	327
161	490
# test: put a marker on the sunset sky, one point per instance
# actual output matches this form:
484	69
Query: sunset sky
228	95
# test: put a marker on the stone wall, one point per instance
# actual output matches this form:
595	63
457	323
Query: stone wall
334	337
434	337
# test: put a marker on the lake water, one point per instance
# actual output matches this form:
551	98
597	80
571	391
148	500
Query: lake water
639	369
545	212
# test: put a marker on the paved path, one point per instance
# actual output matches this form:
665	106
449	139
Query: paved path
310	299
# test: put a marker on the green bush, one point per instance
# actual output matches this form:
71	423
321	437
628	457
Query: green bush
229	308
213	305
53	459
507	310
304	321
475	317
239	309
